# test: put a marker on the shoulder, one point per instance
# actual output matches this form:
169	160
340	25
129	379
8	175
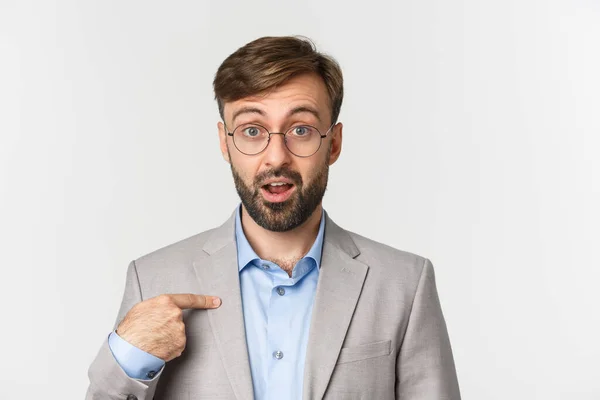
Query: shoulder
179	255
170	269
389	263
193	247
372	249
393	275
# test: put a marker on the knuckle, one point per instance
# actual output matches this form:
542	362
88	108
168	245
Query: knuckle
181	337
163	299
181	343
176	312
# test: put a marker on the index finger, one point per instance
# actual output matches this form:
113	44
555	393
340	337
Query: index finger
196	301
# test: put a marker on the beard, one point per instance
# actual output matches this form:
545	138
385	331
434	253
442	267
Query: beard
291	213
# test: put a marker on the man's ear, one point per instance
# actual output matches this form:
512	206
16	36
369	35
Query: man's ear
336	142
223	141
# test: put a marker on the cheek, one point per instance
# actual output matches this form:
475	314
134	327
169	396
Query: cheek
246	169
312	171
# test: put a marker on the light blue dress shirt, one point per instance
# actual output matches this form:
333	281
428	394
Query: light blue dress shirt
277	314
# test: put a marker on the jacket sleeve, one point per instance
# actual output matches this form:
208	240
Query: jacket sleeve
425	365
107	379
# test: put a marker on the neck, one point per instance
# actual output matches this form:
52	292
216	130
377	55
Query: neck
272	246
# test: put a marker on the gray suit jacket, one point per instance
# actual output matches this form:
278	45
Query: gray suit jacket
377	329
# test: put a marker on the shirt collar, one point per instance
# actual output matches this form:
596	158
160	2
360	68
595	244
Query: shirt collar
246	254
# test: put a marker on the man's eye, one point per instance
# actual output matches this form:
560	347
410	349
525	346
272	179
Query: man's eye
302	131
252	131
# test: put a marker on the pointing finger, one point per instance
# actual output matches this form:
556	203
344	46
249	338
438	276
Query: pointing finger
195	301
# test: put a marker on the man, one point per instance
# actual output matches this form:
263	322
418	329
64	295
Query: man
279	302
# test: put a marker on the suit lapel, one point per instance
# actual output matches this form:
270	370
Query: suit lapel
218	275
341	278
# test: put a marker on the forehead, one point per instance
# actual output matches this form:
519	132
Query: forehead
307	90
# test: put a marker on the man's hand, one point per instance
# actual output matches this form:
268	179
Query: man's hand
156	325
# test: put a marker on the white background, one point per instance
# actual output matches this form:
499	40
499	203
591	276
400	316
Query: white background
471	137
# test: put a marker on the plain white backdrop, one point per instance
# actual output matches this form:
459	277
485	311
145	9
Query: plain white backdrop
471	138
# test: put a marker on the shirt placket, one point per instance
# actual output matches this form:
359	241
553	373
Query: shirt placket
282	357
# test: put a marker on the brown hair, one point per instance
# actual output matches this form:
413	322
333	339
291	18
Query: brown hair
268	62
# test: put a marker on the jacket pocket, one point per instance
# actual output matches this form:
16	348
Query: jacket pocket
365	351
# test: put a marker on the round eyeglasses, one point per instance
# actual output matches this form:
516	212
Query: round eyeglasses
300	140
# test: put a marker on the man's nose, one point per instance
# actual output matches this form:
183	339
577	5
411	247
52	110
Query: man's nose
277	154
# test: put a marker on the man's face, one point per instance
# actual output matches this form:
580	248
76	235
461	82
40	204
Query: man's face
301	101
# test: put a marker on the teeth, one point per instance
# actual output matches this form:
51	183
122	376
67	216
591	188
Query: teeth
277	184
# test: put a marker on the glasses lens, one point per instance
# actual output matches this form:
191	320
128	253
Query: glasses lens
303	140
250	138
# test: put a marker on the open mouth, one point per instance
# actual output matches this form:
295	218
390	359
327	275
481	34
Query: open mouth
277	192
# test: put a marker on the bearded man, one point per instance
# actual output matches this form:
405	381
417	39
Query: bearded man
279	302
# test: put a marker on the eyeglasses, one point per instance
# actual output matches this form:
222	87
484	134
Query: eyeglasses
300	140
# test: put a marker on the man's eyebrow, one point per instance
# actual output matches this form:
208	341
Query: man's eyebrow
293	111
305	109
247	110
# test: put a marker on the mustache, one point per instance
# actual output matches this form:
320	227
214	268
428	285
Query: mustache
287	173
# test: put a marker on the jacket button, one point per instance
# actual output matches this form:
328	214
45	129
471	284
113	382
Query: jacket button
132	397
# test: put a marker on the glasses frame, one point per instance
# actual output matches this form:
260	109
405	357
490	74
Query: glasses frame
322	136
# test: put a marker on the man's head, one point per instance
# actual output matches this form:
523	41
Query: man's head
279	85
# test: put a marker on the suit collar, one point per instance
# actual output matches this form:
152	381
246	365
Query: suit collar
333	234
221	236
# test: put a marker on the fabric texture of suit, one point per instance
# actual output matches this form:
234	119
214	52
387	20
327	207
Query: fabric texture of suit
377	329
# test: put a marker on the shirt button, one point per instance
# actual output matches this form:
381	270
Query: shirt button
151	374
278	354
280	291
266	266
132	397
